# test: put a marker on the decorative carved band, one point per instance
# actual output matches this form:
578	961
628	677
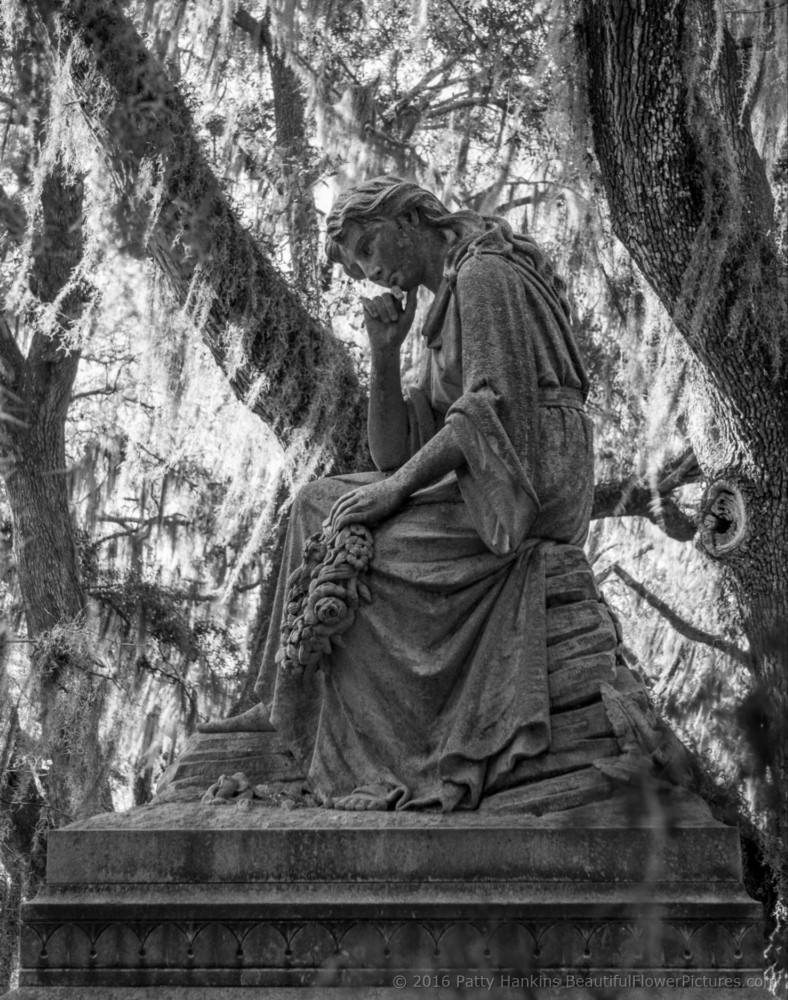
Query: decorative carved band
287	951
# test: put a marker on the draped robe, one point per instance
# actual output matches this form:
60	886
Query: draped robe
441	686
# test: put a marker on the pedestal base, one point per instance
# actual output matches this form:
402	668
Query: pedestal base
746	991
205	902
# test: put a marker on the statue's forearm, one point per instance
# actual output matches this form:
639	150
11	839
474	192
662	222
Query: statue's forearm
441	454
388	415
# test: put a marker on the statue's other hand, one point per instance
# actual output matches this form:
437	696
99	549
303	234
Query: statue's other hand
388	319
367	504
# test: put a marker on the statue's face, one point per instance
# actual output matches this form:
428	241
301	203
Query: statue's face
390	253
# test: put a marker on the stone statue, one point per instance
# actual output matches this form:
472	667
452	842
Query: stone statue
476	623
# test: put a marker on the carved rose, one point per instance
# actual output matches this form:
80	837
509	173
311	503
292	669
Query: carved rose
330	609
359	551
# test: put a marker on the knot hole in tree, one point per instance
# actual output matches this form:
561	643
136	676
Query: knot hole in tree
723	522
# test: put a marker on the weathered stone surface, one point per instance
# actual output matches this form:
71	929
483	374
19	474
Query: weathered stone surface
569	620
580	730
746	991
566	791
577	682
263	757
245	896
210	844
445	666
559	762
587	723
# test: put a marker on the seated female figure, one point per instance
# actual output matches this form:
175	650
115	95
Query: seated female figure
441	687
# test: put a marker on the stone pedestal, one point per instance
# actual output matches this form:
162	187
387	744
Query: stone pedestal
179	900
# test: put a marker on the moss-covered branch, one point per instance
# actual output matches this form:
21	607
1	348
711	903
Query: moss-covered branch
279	360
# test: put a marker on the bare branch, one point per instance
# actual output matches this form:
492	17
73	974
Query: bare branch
616	499
138	527
107	390
144	521
482	101
467	25
258	30
638	499
143	663
391	113
507	206
684	470
684	628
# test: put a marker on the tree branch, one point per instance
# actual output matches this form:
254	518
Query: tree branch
138	526
637	499
682	627
390	114
680	472
258	30
210	261
144	521
507	206
482	101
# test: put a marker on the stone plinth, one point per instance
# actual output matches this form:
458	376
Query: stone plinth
222	898
708	990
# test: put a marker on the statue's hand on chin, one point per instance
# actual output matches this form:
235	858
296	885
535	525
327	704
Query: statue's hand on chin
368	504
388	318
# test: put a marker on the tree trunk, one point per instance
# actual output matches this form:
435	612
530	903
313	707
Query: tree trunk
279	360
689	198
293	148
290	118
44	548
38	388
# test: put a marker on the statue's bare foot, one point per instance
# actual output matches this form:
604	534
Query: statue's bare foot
379	798
255	720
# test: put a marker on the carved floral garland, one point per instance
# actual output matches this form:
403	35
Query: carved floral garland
323	594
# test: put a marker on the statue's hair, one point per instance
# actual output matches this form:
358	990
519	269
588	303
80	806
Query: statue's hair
388	197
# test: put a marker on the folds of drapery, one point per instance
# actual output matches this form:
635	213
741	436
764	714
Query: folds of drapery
442	681
441	686
499	336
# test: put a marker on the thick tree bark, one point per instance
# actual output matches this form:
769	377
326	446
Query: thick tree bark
689	197
279	360
38	390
